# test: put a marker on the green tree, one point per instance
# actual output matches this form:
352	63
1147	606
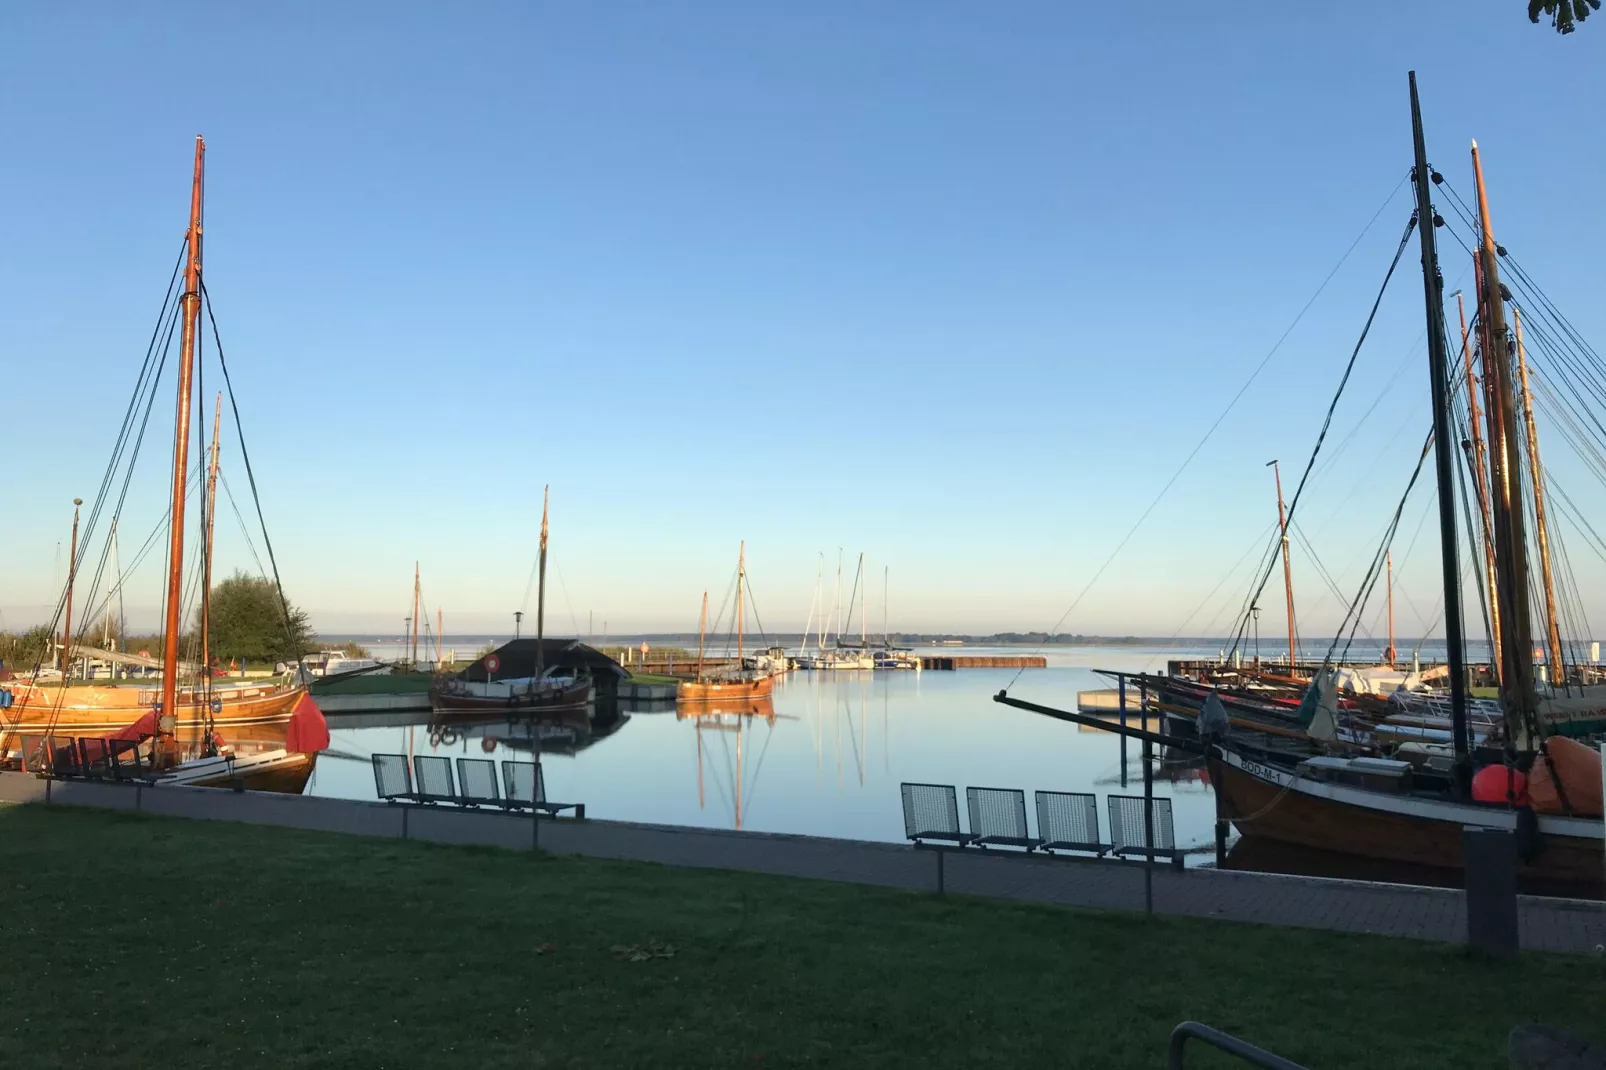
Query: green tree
1564	14
249	622
20	653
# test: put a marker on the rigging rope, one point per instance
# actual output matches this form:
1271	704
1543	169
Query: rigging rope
1327	421
1211	430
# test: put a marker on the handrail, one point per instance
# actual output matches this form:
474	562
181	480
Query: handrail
1230	1044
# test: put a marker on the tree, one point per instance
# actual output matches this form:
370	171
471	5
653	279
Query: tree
249	621
1564	14
19	653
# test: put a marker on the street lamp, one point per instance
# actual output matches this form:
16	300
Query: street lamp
518	618
1254	611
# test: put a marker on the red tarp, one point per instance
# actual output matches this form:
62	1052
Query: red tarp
308	732
143	728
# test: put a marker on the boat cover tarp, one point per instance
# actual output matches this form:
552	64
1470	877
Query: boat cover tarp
308	732
1378	681
141	729
1319	708
1566	779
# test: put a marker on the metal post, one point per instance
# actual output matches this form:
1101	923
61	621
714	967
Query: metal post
941	889
1148	826
1121	684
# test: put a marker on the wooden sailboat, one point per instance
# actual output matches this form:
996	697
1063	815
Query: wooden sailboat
1417	811
261	735
545	690
735	683
1374	809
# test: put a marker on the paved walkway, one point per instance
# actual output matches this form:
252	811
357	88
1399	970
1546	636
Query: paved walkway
1309	902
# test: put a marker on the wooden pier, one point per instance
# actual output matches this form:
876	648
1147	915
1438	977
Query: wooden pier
945	662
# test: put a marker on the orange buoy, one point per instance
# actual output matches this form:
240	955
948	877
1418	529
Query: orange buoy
1500	784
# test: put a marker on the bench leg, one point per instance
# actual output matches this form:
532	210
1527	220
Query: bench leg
941	889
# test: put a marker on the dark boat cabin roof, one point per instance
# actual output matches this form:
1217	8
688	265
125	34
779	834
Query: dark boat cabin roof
516	659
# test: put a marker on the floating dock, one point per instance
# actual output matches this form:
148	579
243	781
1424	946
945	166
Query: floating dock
946	662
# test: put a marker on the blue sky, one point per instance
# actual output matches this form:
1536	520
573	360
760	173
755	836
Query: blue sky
954	285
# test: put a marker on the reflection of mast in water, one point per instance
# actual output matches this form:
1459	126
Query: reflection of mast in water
731	721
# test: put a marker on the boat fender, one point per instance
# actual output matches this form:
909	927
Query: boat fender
488	745
1529	839
5	698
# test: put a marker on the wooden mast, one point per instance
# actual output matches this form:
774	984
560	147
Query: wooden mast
167	719
1558	671
1444	472
1389	654
741	581
72	573
540	591
1480	467
416	593
1288	573
440	632
702	631
1516	683
206	582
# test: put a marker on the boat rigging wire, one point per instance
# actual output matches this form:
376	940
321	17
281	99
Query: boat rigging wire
1211	430
1332	406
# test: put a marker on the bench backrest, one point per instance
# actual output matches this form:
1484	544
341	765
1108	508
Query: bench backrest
392	777
997	812
1068	817
930	808
523	782
433	775
1127	827
476	779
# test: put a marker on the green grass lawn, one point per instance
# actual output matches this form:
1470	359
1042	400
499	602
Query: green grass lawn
392	683
136	942
652	678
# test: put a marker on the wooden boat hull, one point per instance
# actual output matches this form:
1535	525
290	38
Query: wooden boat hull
1276	803
254	717
566	700
725	690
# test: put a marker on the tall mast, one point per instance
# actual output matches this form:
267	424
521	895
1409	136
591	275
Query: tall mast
1438	373
540	593
440	633
886	571
1516	682
702	631
1480	464
1390	655
72	574
416	593
741	581
211	502
117	568
1558	672
864	607
167	720
1288	573
836	607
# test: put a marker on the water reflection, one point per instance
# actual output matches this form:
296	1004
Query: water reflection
824	758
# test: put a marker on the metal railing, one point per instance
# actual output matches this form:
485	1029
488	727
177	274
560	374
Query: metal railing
1225	1042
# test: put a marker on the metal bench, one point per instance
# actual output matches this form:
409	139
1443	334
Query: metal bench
931	815
477	783
1129	832
998	818
524	787
1069	821
393	779
432	778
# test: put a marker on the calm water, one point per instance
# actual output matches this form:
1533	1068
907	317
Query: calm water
831	761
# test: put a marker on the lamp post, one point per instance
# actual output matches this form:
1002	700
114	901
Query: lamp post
1254	611
518	619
